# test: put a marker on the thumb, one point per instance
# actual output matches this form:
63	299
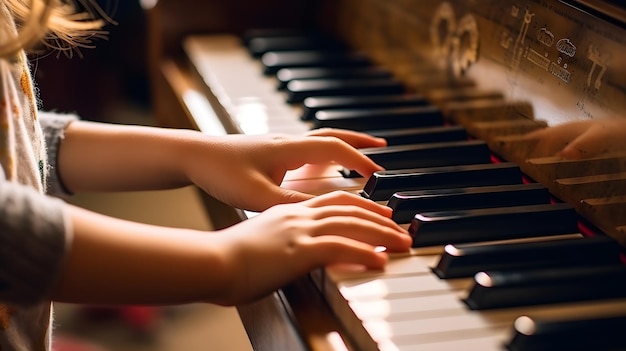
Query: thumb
290	196
271	194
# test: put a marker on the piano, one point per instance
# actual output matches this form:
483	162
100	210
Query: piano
514	248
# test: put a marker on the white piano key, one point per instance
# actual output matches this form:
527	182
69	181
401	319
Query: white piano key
314	171
477	343
404	275
247	96
449	304
325	185
320	179
429	330
402	327
408	265
382	287
394	308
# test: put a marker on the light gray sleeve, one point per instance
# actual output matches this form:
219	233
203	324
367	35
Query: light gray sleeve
53	126
34	236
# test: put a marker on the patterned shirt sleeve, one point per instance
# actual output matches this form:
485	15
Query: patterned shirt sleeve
34	236
53	125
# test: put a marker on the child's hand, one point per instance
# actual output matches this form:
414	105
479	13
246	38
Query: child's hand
246	171
287	241
582	139
355	139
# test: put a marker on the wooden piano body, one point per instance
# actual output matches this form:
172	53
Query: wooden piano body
551	61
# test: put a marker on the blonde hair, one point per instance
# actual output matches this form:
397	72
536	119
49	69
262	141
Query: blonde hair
56	23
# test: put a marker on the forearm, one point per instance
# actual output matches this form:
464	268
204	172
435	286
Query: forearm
97	157
113	261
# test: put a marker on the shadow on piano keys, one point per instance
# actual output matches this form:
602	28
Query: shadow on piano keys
512	248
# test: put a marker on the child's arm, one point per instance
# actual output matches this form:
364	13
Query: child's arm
104	157
113	261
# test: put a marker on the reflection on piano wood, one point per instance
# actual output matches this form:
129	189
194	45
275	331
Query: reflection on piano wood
513	247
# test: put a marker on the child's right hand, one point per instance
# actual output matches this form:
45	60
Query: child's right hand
289	240
115	261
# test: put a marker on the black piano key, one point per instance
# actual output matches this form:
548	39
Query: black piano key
382	185
299	90
465	152
465	260
379	118
274	61
260	45
286	75
420	135
406	204
598	334
488	224
313	104
504	289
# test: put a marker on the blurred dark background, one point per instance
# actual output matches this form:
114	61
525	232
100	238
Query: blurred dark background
105	83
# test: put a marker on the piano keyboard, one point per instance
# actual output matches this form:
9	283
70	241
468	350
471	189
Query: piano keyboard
497	262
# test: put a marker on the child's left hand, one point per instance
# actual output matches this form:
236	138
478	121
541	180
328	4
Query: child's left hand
246	171
289	240
241	170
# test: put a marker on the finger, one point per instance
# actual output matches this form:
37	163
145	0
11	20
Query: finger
355	139
363	230
316	150
266	194
287	196
329	250
356	212
345	198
